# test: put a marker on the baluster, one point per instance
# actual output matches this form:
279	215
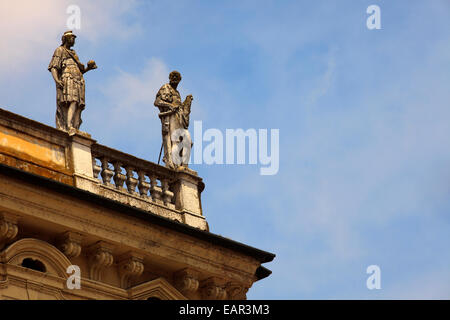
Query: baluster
143	186
155	190
119	178
106	172
131	181
167	194
95	168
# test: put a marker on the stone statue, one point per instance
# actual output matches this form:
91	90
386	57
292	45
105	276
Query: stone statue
67	71
174	116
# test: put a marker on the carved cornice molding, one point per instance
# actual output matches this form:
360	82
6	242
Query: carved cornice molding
70	243
213	288
186	281
100	258
130	265
233	269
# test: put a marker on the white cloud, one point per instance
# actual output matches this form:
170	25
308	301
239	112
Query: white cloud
102	18
30	30
124	117
25	28
134	94
126	111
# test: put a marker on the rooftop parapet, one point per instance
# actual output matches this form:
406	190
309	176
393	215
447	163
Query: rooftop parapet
74	158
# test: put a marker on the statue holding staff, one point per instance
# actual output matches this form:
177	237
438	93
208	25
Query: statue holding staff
174	116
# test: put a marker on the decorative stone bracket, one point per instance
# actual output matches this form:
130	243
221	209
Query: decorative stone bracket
213	289
8	228
70	244
100	258
130	265
186	281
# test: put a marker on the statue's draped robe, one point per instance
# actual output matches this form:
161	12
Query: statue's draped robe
172	96
170	123
67	64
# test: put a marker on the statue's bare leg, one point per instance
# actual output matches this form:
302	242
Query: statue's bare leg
77	118
167	143
167	151
71	114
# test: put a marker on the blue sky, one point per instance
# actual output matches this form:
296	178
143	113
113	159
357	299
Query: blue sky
364	174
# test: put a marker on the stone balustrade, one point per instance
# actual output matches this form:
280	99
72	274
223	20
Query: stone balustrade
174	194
135	176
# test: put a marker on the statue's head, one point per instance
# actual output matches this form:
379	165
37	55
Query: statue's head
69	38
175	77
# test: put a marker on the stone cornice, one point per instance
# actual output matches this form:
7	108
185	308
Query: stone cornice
235	266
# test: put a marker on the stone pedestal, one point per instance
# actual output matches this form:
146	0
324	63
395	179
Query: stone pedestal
188	188
81	156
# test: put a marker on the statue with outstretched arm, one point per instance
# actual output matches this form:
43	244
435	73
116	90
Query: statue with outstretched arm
67	71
